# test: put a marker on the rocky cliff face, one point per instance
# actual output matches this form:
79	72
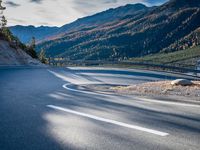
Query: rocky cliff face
10	56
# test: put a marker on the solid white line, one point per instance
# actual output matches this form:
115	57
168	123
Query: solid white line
156	132
65	86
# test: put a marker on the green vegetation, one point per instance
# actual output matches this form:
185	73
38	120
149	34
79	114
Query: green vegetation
185	58
31	49
5	34
42	57
3	21
167	28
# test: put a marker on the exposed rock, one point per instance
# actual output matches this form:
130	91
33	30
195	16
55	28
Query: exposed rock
15	56
182	82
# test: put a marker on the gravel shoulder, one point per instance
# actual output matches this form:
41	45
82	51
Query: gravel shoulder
162	89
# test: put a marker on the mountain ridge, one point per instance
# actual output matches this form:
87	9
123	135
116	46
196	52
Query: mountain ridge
93	20
25	33
144	31
118	12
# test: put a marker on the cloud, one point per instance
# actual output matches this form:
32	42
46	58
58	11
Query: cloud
60	12
12	4
19	21
111	1
89	7
36	1
154	2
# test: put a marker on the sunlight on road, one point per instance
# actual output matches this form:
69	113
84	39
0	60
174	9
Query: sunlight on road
110	121
70	130
73	78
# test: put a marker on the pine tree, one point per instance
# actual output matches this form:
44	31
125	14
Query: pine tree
42	56
32	43
3	19
1	7
31	48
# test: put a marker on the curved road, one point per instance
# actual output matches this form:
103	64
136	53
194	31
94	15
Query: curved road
49	108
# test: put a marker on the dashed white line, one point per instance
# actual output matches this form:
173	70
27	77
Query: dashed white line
152	131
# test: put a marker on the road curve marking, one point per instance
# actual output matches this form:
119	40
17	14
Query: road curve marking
65	86
152	131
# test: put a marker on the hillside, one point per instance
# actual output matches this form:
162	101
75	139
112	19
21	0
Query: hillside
25	33
90	29
128	31
185	58
133	35
108	16
14	55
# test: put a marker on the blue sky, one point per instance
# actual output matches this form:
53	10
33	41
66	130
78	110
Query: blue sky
60	12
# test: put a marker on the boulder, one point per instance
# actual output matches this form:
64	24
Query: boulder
182	82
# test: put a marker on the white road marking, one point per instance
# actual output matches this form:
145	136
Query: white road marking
99	93
65	86
156	132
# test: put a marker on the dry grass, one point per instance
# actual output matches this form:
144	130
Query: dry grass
162	88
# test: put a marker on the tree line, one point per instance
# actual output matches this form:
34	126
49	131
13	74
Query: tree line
15	42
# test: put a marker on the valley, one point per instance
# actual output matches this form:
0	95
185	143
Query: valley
124	75
134	30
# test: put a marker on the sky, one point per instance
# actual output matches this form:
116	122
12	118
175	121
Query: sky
60	12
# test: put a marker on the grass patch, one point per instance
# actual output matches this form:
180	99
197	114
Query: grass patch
185	58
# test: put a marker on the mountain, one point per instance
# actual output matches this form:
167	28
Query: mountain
92	23
179	4
25	33
12	54
128	31
162	28
104	17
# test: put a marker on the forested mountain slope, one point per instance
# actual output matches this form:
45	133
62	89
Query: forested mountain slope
137	30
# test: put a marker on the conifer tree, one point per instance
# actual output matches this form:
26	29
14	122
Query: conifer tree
42	56
31	48
3	22
32	43
3	18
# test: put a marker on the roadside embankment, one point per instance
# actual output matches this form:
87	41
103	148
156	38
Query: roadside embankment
163	89
15	56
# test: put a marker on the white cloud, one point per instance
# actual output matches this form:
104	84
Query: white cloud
59	12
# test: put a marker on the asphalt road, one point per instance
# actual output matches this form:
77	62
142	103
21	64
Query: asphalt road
44	109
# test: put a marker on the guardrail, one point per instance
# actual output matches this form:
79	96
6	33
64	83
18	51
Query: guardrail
152	66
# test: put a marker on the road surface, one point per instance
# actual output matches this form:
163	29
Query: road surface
49	109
